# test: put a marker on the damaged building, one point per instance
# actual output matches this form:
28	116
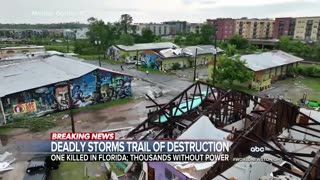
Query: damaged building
290	135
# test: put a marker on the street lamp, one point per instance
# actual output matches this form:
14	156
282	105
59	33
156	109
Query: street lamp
98	43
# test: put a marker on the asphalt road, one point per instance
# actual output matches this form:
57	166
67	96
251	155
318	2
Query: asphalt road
171	84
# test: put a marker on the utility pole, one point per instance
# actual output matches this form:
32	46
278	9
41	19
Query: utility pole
67	44
195	64
215	58
71	107
98	43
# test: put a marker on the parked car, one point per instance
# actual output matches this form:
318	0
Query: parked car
139	63
127	61
39	168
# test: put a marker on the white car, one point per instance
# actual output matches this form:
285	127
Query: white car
130	61
139	63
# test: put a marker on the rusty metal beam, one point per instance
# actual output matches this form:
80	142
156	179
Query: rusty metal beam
310	128
308	173
304	132
284	169
298	141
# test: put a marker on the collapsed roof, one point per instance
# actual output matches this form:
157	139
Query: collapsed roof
250	120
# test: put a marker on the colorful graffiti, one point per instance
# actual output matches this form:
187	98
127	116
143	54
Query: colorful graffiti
24	108
92	88
61	96
151	61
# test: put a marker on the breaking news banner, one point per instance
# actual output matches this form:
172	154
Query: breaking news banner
104	146
139	157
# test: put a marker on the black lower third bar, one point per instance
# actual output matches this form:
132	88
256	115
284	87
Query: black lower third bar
139	157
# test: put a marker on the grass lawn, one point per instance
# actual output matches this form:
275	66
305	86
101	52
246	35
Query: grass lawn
61	48
294	88
237	86
103	105
153	71
314	84
5	130
72	170
47	122
308	65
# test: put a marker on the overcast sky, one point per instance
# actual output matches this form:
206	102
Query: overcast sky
54	11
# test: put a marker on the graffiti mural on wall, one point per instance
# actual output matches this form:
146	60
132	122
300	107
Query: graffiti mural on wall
92	88
24	108
61	96
152	61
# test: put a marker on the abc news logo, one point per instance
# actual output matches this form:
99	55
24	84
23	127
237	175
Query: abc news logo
257	150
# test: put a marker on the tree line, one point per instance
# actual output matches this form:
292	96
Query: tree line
71	25
120	32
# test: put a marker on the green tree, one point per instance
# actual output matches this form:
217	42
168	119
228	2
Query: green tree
125	22
283	43
230	50
126	39
317	51
239	41
206	34
232	69
146	37
106	33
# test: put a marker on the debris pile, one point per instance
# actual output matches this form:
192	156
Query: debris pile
6	160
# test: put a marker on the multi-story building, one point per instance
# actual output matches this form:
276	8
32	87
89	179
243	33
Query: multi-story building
225	27
284	27
307	28
81	33
180	26
157	29
193	27
254	28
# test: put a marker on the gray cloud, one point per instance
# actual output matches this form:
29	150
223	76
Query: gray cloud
48	11
272	10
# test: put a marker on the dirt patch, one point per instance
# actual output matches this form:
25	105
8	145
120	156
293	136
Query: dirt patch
84	121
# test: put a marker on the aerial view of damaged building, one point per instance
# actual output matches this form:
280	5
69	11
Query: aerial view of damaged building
290	135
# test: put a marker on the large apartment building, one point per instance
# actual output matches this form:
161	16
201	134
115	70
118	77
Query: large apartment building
254	28
284	26
307	28
180	26
157	29
225	27
194	27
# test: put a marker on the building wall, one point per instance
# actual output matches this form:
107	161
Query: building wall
151	61
264	78
284	27
128	55
164	171
94	87
180	26
168	62
307	28
157	29
19	51
194	27
254	28
225	27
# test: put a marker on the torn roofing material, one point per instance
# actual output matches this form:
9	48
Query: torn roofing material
267	60
189	51
25	75
147	46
